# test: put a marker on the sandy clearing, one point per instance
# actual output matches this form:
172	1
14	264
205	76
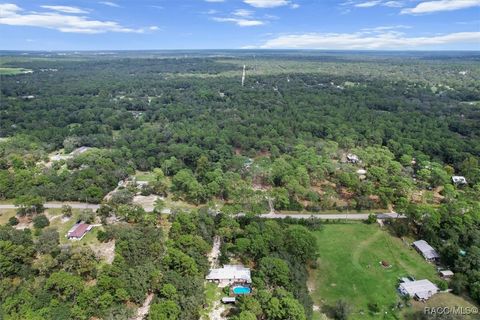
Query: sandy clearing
104	251
215	253
147	202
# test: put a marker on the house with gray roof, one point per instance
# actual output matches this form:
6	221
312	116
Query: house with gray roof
426	250
421	290
230	274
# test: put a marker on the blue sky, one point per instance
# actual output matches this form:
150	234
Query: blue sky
232	24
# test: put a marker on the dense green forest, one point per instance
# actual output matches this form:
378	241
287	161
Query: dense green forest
279	142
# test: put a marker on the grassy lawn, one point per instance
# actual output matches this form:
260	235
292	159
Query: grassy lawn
63	227
212	294
57	222
144	176
349	269
12	71
442	300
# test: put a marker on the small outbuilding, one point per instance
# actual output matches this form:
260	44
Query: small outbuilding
421	290
459	180
226	300
446	274
78	231
426	250
353	158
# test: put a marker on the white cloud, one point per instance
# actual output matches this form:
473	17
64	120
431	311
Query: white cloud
8	8
211	11
267	3
367	41
368	4
11	14
475	22
240	21
154	28
374	3
441	5
394	4
243	13
294	6
110	4
244	18
383	28
65	9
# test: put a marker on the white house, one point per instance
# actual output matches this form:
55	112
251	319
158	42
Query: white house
229	274
420	290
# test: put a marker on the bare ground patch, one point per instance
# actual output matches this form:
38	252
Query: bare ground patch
147	202
105	251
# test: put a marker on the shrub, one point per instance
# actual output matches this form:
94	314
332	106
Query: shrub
442	285
40	221
13	221
66	211
372	218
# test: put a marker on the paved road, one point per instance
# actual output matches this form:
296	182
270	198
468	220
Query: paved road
336	216
350	216
58	205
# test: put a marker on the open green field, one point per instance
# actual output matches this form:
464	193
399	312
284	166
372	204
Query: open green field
12	71
63	227
349	268
56	221
443	300
212	294
145	176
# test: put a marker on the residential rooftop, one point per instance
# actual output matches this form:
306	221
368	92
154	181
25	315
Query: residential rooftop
420	289
79	230
426	250
230	273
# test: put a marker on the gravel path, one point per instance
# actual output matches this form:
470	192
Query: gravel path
215	253
58	205
143	310
218	308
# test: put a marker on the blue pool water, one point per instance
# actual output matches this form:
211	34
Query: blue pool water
241	290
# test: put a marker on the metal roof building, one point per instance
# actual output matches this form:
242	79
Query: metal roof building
230	273
446	273
421	289
78	231
426	250
228	300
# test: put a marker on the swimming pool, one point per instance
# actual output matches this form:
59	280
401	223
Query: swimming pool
241	290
